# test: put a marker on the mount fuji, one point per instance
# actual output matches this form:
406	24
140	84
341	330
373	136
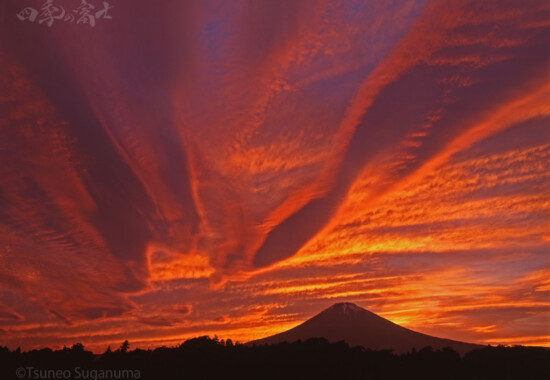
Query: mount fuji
359	327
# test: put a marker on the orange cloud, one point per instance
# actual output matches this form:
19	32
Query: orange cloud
235	168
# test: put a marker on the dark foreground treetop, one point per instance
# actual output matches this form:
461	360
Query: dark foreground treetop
206	358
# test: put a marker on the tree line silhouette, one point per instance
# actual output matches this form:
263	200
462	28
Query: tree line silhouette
211	358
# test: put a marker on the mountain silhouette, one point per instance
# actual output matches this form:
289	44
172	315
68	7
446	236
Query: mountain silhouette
359	327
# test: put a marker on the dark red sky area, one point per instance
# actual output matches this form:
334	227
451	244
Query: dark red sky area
234	167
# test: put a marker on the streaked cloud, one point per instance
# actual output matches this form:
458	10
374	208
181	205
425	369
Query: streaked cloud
232	168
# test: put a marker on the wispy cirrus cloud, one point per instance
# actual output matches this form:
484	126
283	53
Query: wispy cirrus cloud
164	171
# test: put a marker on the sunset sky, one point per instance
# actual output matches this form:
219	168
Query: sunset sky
235	167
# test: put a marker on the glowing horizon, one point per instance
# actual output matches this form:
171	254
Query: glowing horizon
234	168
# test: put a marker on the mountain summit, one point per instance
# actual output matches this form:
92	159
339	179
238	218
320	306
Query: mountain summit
359	327
346	308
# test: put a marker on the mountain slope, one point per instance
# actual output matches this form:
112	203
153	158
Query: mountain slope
359	327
